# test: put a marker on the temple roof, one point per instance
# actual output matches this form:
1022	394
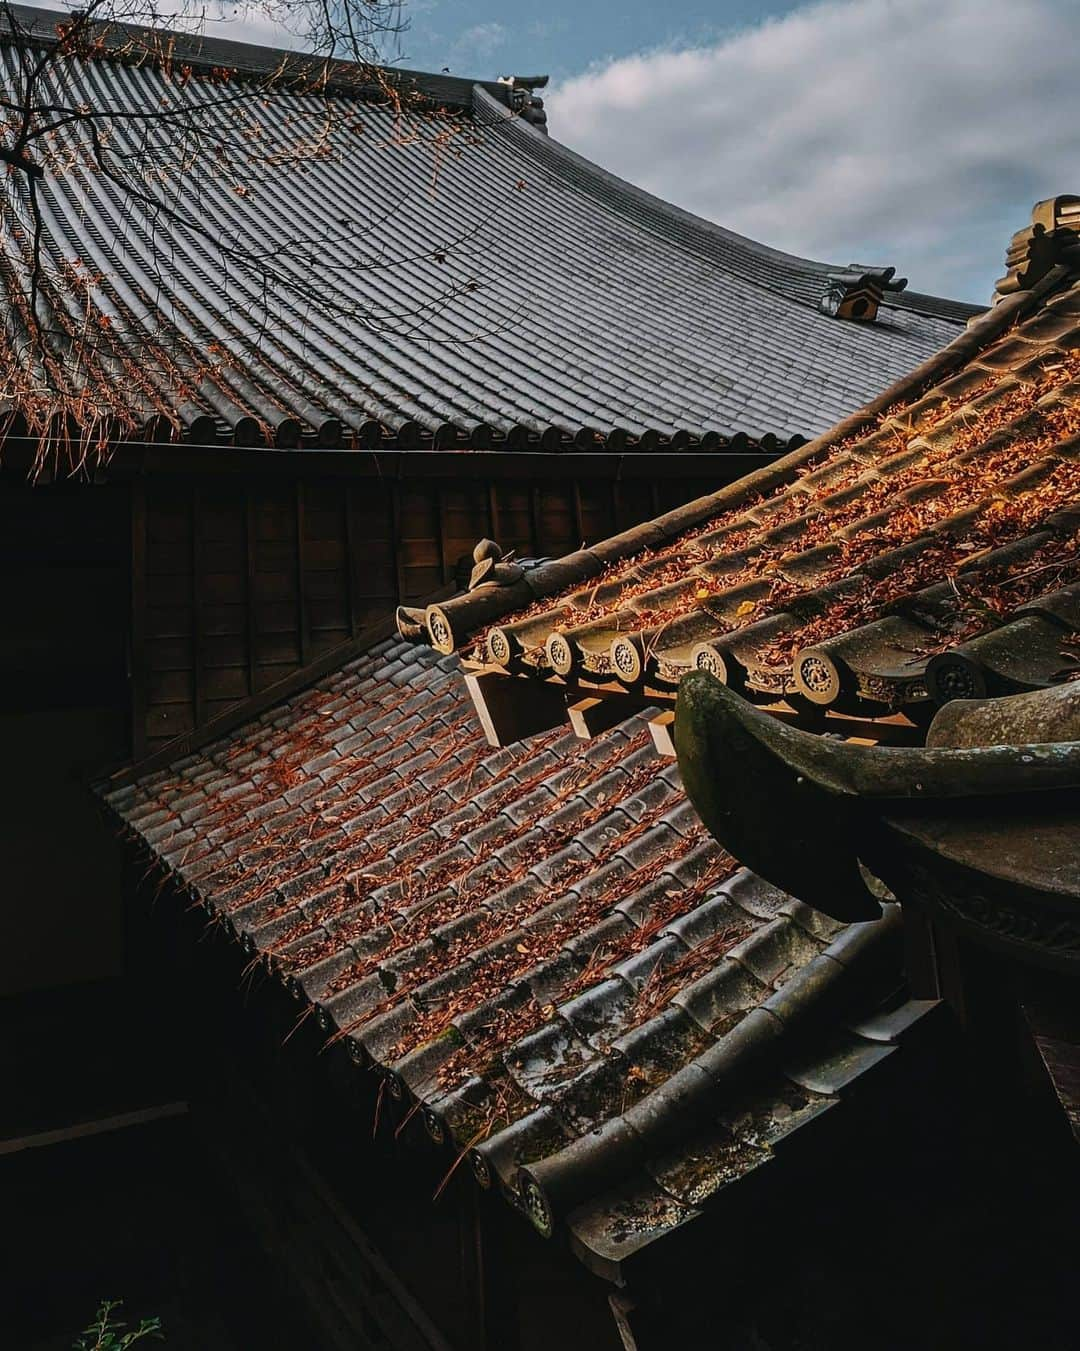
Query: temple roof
539	949
460	275
928	546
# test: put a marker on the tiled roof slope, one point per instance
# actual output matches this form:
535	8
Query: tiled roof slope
929	551
466	278
540	946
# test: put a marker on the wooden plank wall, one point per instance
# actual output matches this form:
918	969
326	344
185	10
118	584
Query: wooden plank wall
243	580
64	595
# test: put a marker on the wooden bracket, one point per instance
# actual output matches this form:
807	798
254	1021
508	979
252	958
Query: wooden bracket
589	717
661	729
510	709
640	1327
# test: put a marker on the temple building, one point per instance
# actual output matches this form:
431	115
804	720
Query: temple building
547	666
646	1021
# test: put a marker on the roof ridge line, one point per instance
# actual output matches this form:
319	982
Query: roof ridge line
573	158
210	52
451	623
543	146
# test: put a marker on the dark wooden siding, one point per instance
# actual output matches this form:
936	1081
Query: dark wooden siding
63	582
245	581
63	714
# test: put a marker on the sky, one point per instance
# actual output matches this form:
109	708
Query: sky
910	133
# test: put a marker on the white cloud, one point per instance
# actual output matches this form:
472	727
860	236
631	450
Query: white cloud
910	132
248	22
481	40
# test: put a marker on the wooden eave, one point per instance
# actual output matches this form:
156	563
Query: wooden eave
130	459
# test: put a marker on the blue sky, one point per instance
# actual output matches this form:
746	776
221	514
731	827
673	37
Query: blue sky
556	37
910	133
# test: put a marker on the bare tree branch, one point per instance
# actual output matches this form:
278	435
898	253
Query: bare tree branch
70	138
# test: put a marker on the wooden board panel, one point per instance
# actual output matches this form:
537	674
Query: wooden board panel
466	517
168	654
170	611
66	630
277	587
169	590
164	721
226	649
275	556
513	517
168	621
269	673
247	579
225	683
372	611
556	525
632	503
675	493
419	542
595	511
222	559
169	687
327	613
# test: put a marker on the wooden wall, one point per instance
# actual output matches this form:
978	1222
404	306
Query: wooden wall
240	581
64	606
142	608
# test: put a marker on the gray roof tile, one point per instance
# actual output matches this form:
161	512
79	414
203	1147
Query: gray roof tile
551	920
553	294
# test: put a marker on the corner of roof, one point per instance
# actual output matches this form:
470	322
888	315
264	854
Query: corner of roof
524	100
1051	240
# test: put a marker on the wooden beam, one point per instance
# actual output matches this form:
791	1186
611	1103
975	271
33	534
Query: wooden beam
138	619
198	635
890	730
303	622
179	458
510	709
494	524
579	515
662	729
353	580
886	732
323	1258
920	954
61	1135
640	1327
589	717
250	544
446	570
395	542
536	548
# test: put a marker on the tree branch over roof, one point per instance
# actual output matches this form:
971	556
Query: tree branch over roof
146	128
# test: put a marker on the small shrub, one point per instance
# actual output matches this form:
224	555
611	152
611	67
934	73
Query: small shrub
108	1334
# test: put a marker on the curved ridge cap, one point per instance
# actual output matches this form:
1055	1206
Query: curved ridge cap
483	102
550	579
937	307
555	149
253	58
890	775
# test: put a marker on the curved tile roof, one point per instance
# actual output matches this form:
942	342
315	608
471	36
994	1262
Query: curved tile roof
539	949
926	549
456	269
